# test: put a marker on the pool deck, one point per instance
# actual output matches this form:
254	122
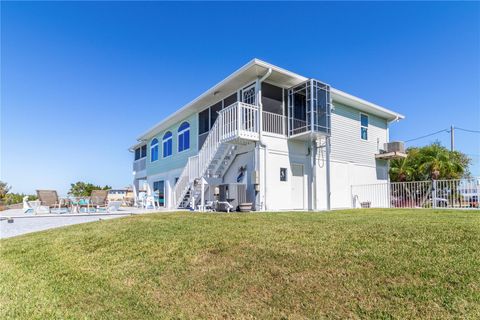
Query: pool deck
15	222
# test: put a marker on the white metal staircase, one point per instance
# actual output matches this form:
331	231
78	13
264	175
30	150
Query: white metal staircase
236	124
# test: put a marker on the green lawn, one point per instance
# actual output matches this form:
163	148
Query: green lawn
381	264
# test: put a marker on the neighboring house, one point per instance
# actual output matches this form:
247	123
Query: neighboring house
295	142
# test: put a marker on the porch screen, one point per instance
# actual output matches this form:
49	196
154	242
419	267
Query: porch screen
309	108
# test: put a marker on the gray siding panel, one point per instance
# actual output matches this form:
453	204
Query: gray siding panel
346	141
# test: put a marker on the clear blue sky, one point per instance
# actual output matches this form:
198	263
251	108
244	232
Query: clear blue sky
80	81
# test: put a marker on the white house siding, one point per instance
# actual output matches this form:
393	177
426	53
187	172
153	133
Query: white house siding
169	178
284	153
346	142
352	162
353	159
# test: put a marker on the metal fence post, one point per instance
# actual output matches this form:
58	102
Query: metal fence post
434	193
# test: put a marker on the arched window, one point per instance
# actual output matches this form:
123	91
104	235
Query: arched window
154	150
167	144
184	137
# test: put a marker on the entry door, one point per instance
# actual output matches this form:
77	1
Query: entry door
297	184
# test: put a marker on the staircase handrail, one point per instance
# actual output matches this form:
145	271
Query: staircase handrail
197	166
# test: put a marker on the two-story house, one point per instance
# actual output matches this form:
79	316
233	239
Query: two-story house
295	142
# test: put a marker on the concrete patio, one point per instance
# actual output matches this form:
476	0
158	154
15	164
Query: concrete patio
15	222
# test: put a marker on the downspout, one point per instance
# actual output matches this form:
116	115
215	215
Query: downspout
260	136
396	119
327	158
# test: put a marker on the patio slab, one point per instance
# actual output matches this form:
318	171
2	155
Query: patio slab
15	222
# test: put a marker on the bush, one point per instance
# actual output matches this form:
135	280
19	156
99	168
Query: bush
14	198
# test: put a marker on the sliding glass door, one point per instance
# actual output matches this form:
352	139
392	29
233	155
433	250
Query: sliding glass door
159	188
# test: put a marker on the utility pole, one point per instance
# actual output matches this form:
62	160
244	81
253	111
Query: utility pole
452	138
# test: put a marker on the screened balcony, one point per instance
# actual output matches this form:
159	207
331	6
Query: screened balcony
309	110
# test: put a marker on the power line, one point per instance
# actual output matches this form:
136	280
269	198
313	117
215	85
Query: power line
429	135
468	130
440	131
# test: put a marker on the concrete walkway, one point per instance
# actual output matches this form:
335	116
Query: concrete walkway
14	222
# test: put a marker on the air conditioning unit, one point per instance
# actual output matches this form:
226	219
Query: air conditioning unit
395	146
234	193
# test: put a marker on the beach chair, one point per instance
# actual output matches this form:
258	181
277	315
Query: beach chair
49	199
98	200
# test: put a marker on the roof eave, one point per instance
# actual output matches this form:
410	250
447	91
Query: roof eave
376	109
385	113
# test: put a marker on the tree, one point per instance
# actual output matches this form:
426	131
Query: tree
4	189
430	162
82	189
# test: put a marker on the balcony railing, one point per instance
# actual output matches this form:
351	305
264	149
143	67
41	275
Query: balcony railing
274	123
298	126
140	164
239	120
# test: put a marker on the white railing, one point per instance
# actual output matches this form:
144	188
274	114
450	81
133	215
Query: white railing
273	123
452	194
140	164
239	120
298	126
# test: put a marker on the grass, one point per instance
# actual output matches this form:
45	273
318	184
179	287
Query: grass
379	264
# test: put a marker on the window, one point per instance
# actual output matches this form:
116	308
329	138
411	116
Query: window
167	144
204	121
184	137
159	191
272	98
154	150
228	101
283	174
363	126
141	152
249	95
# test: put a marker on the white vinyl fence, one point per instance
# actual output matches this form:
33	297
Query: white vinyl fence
453	194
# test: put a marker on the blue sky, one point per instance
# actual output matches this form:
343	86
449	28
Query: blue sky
80	81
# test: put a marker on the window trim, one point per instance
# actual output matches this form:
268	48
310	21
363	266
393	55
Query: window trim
249	87
362	126
152	146
170	138
182	132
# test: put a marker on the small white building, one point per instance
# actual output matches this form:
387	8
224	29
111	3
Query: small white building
294	142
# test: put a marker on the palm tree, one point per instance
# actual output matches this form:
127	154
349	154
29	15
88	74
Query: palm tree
430	162
401	170
438	162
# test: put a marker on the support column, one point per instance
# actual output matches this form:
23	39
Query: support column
256	167
202	194
314	149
